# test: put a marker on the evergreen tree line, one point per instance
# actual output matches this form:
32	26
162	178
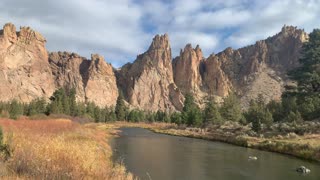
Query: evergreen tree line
258	113
61	102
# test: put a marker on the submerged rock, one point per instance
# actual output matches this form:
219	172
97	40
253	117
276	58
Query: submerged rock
253	158
303	169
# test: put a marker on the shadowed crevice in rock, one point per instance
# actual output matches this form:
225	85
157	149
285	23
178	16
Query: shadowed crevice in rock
83	68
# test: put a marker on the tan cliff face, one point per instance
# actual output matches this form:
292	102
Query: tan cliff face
257	69
69	71
101	86
25	73
148	82
262	68
93	80
187	69
153	81
215	81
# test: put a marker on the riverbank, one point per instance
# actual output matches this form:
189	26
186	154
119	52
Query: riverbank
302	146
62	149
58	149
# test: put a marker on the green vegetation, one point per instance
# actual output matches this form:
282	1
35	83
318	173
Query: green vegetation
121	110
62	102
191	114
258	114
15	109
4	149
211	113
231	108
307	91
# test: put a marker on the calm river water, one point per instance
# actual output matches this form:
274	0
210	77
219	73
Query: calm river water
162	157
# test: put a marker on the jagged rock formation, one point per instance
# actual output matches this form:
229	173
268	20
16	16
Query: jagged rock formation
101	86
186	68
69	71
93	80
153	81
148	82
25	73
257	69
215	81
262	68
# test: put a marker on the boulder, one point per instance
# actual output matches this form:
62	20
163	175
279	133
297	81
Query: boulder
303	170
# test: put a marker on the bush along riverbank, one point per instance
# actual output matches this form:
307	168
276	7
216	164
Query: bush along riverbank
302	141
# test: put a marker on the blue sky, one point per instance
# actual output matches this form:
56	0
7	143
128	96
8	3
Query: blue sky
121	29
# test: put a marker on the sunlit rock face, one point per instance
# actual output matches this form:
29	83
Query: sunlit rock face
25	73
262	68
148	82
93	80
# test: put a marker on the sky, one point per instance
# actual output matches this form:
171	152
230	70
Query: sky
121	29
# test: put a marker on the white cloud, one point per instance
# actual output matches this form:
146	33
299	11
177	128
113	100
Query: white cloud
84	26
222	18
268	18
180	39
120	30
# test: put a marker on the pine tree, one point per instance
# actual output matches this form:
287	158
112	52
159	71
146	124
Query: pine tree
191	114
294	117
1	137
256	125
150	116
211	113
194	117
72	102
176	118
308	78
90	110
258	114
56	106
16	109
231	108
134	116
121	109
36	106
80	109
275	108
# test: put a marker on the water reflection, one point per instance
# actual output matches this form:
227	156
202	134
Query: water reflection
156	156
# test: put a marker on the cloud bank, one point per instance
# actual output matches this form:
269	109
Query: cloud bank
120	30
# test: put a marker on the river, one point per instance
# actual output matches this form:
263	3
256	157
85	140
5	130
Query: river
155	156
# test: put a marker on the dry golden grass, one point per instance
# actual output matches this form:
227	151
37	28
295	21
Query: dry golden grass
310	139
58	149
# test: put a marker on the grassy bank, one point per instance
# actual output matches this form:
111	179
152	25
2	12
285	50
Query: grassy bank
58	149
302	146
62	149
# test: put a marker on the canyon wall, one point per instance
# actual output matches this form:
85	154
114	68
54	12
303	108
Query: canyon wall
155	80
